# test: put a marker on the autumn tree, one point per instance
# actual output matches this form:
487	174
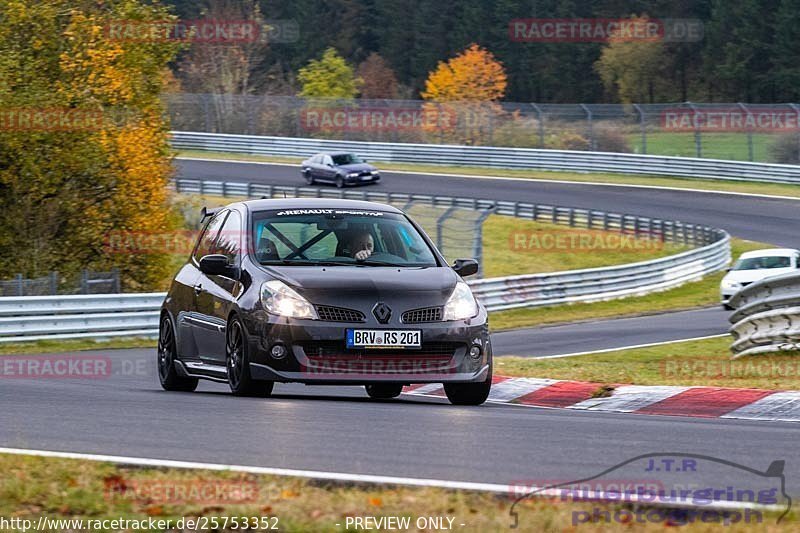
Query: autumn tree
66	186
378	78
633	70
328	77
466	87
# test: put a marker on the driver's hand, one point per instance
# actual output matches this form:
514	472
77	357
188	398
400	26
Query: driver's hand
362	254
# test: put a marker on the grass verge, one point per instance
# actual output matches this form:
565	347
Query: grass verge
775	189
702	362
70	345
75	489
517	246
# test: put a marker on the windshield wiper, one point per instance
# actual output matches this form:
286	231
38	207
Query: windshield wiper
369	262
300	262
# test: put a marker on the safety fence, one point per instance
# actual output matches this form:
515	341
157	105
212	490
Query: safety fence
735	131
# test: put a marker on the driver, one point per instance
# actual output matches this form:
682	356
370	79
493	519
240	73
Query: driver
361	245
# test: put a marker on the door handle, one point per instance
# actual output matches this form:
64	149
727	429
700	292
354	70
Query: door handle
198	289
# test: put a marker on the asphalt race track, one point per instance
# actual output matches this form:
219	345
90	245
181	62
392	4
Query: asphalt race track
338	429
607	334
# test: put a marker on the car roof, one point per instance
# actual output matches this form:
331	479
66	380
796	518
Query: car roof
317	203
770	252
333	153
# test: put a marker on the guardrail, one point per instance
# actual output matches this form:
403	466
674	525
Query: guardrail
486	156
64	317
767	316
30	318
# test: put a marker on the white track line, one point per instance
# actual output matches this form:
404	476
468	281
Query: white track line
333	476
360	478
606	350
547	180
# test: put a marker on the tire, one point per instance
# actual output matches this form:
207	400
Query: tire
339	182
167	353
383	391
309	177
470	393
237	364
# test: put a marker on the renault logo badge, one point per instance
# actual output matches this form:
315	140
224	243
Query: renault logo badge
382	312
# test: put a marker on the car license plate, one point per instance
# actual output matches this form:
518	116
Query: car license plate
384	338
366	178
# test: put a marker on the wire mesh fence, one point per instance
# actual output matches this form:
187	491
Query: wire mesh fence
733	131
86	282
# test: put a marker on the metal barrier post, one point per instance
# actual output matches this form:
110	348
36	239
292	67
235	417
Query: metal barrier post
53	282
642	127
590	129
440	226
749	132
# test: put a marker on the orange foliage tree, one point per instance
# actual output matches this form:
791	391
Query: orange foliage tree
470	84
64	190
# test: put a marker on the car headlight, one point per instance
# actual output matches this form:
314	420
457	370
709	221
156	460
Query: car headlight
461	303
730	284
353	175
374	172
280	299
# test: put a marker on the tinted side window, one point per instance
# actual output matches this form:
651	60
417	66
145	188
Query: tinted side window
230	239
205	245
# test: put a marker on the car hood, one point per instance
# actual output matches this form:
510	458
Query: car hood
362	287
356	167
750	276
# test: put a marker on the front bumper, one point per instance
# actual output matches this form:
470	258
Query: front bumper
370	178
316	352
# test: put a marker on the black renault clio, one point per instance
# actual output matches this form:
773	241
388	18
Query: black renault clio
322	292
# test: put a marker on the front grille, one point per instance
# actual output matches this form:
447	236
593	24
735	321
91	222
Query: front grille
338	348
339	314
426	314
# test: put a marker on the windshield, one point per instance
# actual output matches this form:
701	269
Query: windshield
338	237
760	263
346	159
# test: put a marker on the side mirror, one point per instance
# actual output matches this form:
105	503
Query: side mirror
215	265
465	267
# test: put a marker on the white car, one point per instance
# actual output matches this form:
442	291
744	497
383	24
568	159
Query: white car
755	266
